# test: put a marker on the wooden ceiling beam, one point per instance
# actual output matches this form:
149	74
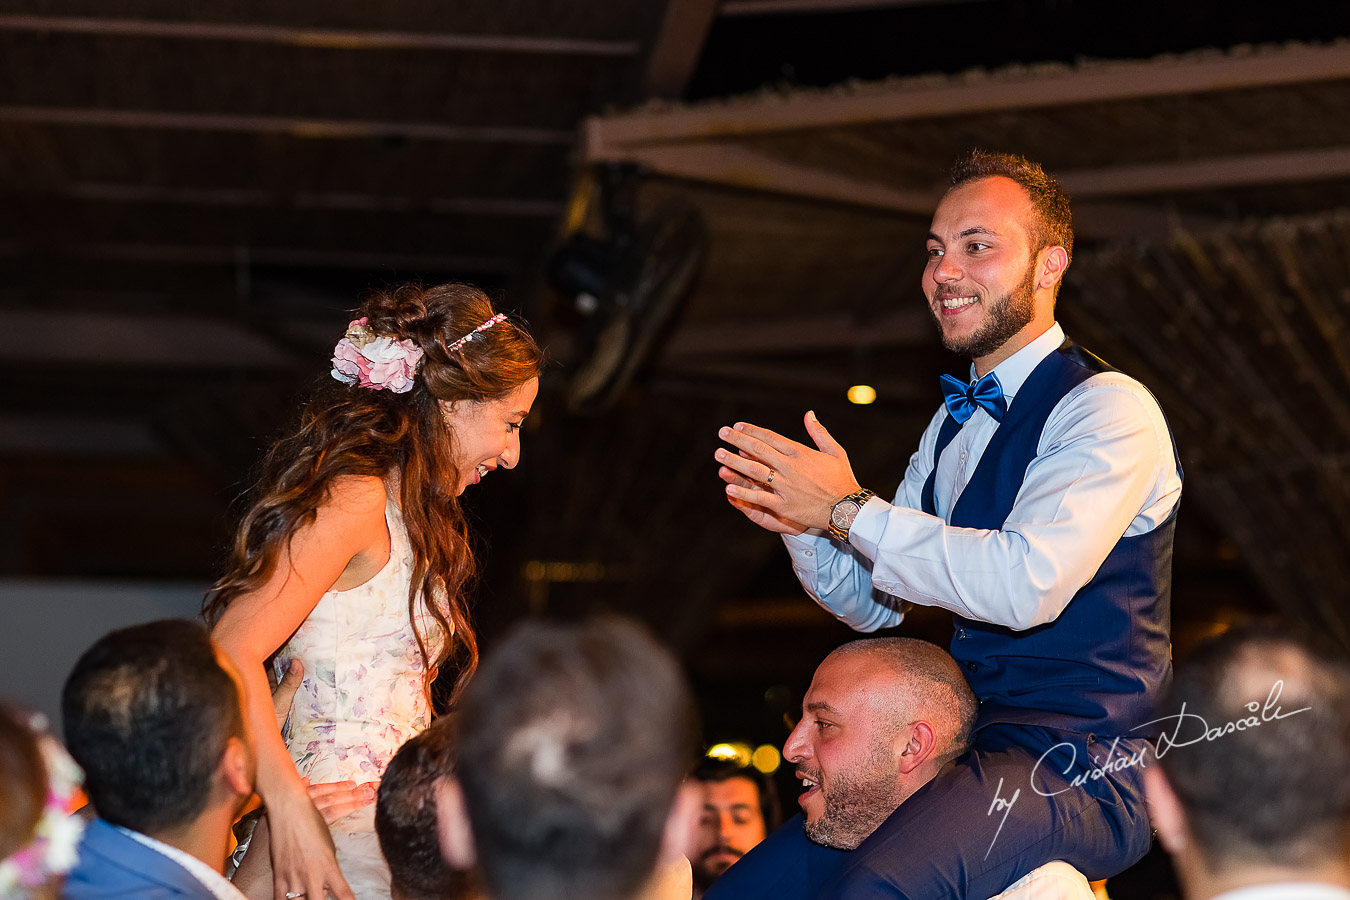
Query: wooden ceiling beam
325	38
1000	92
347	202
285	125
675	52
730	164
1211	172
211	255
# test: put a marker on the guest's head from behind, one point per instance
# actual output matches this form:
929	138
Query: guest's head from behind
739	806
428	392
1267	799
573	741
406	823
881	717
153	716
38	788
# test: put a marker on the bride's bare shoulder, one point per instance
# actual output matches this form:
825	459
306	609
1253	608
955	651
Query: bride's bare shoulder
356	496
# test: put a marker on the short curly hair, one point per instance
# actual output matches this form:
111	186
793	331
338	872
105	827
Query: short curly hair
1054	220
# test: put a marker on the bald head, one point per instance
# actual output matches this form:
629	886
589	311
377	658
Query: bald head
881	718
919	680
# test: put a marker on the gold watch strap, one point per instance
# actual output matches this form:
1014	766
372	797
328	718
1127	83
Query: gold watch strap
860	497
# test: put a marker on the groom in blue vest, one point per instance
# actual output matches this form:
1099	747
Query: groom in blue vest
1039	509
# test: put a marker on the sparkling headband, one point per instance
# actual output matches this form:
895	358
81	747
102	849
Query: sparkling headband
472	335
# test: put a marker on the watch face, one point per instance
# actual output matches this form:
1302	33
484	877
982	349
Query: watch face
844	513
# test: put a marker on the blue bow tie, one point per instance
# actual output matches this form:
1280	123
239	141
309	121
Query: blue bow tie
962	398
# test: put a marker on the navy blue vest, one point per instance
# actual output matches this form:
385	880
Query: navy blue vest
1102	664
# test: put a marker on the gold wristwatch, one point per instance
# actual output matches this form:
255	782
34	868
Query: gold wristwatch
845	511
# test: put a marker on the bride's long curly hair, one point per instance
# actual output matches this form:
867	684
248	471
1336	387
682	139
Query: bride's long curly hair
352	430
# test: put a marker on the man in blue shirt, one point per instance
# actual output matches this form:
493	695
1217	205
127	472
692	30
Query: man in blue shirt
1039	509
152	714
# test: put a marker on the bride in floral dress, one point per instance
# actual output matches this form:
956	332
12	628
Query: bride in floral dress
354	557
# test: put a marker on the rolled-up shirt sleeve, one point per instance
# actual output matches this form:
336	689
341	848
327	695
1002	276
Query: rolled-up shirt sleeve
1104	468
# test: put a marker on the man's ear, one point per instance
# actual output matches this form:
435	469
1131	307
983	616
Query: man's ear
452	820
918	747
236	767
1165	811
1051	264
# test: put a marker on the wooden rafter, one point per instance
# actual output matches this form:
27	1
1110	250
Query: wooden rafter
1037	88
1211	172
210	255
730	164
287	125
675	52
327	38
736	166
352	202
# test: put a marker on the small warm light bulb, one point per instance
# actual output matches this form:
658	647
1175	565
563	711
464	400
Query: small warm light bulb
862	394
766	759
738	753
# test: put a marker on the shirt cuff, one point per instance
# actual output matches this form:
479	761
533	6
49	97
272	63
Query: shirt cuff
804	547
865	533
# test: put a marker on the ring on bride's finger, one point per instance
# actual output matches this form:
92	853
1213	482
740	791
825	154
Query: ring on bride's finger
769	480
291	895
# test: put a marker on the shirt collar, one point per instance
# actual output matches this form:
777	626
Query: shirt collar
1015	370
213	881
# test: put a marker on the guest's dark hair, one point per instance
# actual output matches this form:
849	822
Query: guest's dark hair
23	782
405	818
573	742
352	430
1053	226
714	770
148	712
1276	790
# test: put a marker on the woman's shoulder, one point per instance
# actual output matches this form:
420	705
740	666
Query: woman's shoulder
358	496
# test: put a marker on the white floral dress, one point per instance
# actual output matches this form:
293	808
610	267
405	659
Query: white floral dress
361	698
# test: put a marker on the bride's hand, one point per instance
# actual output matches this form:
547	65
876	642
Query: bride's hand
304	862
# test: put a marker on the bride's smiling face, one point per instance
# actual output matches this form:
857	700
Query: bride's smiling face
487	434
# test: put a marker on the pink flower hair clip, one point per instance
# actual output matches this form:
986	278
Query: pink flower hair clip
473	335
378	362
